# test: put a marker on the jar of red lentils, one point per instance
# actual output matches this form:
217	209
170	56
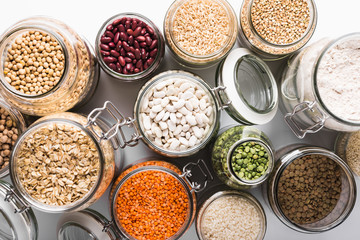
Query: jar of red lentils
274	29
46	67
199	33
129	47
65	161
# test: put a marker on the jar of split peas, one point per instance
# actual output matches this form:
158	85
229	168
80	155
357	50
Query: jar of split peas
156	200
46	67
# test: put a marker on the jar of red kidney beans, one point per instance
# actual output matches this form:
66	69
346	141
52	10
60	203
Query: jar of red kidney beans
129	47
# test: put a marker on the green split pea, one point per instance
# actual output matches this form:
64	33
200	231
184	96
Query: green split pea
249	160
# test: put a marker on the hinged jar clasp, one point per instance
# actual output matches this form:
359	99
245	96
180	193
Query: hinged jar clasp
187	174
317	113
10	194
115	129
216	92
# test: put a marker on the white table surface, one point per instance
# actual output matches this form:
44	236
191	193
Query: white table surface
335	18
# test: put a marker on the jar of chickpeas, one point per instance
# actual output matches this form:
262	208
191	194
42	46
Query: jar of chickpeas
46	67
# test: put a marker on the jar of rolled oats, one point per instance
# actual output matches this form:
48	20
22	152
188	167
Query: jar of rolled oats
65	161
46	67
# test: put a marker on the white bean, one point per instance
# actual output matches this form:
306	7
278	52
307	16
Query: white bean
147	123
159	116
165	117
156	108
163	125
175	143
191	120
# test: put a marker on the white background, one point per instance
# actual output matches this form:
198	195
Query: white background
335	18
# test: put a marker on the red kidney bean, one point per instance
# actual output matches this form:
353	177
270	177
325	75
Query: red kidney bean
128	45
105	39
148	40
116	38
137	32
129	32
136	44
109	34
109	59
104	53
121	61
131	40
137	53
121	28
153	44
130	55
104	47
140	38
123	36
153	52
110	27
114	53
150	30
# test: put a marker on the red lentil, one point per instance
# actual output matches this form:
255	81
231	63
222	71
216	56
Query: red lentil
151	204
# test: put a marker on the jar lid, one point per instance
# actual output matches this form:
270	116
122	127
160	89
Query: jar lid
250	93
19	219
85	224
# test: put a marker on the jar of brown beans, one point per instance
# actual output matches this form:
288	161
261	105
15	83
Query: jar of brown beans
275	29
311	189
46	67
129	47
12	124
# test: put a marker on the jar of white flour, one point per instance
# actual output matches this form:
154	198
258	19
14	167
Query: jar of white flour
321	87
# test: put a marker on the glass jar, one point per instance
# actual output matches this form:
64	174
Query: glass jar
145	59
347	147
268	48
231	93
206	58
64	162
90	224
17	220
20	124
77	82
248	201
302	96
224	151
344	204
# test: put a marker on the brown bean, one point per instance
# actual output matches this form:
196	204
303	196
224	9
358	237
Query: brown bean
145	66
110	27
109	34
129	32
136	44
121	60
136	70
118	46
137	32
121	28
109	59
114	53
134	24
131	40
126	46
112	45
115	30
104	47
137	53
112	66
148	40
153	44
118	67
116	22
104	53
127	24
143	31
116	37
130	55
132	49
122	52
140	38
123	20
127	59
124	71
153	52
150	61
150	30
105	39
143	54
129	66
123	36
142	44
138	63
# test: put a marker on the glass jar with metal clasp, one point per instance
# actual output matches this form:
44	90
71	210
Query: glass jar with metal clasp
85	224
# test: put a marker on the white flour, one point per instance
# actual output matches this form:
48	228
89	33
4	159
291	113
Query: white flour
338	79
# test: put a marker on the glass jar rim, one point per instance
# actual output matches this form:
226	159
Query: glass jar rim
47	207
19	30
189	77
226	193
285	161
229	41
268	170
139	75
154	168
315	70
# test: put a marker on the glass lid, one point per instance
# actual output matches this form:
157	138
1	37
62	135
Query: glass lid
250	92
86	224
17	221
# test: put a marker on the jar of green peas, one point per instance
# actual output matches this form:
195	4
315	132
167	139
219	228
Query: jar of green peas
242	157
